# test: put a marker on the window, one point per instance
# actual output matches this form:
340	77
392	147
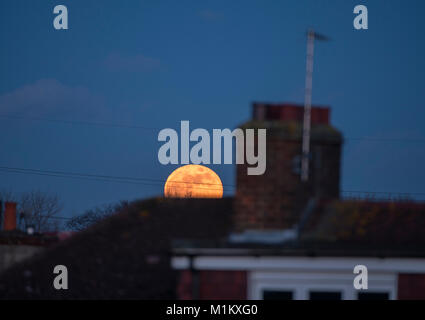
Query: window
325	295
373	296
277	295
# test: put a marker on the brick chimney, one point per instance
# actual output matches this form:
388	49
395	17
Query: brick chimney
9	222
276	199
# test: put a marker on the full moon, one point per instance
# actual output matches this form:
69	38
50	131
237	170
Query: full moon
193	181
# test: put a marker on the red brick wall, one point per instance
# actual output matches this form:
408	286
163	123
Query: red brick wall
9	222
214	285
276	199
184	285
289	112
411	286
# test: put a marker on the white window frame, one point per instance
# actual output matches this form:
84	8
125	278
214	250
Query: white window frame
301	283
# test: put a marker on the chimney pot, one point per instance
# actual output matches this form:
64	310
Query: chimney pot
9	222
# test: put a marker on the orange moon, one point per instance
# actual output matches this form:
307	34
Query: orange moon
193	181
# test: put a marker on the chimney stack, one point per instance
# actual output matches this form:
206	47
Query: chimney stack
276	199
9	222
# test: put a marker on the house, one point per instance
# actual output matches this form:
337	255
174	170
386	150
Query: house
125	256
316	260
297	240
16	245
277	238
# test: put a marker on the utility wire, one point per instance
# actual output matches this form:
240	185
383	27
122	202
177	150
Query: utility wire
384	192
158	182
94	220
97	177
128	126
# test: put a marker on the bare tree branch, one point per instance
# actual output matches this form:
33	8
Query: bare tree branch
39	208
92	216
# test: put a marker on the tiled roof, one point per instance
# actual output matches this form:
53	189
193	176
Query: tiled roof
17	237
373	223
128	255
124	256
339	228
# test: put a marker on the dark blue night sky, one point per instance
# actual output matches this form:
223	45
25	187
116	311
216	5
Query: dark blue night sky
153	63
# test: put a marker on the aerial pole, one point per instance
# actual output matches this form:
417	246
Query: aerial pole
311	36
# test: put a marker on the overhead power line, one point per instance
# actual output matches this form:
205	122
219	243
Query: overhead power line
129	126
97	177
384	192
160	182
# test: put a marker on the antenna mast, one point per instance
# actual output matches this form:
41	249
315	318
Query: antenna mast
307	106
311	36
